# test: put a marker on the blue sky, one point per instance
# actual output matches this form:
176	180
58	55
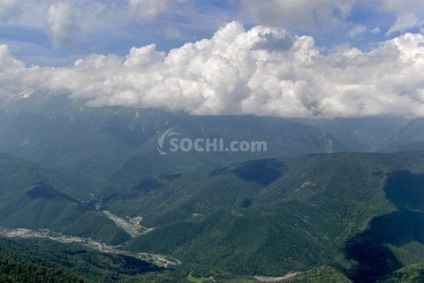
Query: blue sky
112	26
290	58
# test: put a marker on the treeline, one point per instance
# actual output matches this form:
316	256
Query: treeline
20	265
22	271
47	261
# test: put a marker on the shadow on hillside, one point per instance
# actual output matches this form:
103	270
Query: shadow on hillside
262	172
46	192
370	248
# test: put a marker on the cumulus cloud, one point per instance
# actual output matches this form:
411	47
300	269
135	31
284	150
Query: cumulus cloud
62	23
262	71
300	13
9	9
9	69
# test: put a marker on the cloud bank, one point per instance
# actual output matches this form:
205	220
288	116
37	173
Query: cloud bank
261	71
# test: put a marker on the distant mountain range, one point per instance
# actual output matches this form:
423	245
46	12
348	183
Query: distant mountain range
88	142
93	143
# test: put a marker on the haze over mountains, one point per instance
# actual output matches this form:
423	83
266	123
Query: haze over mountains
52	129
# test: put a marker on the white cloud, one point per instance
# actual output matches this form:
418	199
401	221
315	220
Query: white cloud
409	14
146	10
8	63
9	70
357	30
262	71
300	13
9	9
62	23
405	22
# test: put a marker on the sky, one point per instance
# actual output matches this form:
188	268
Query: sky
286	58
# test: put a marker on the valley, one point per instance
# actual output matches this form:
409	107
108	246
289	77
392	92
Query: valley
158	260
307	205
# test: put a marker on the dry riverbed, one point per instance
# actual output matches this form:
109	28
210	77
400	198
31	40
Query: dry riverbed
159	260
